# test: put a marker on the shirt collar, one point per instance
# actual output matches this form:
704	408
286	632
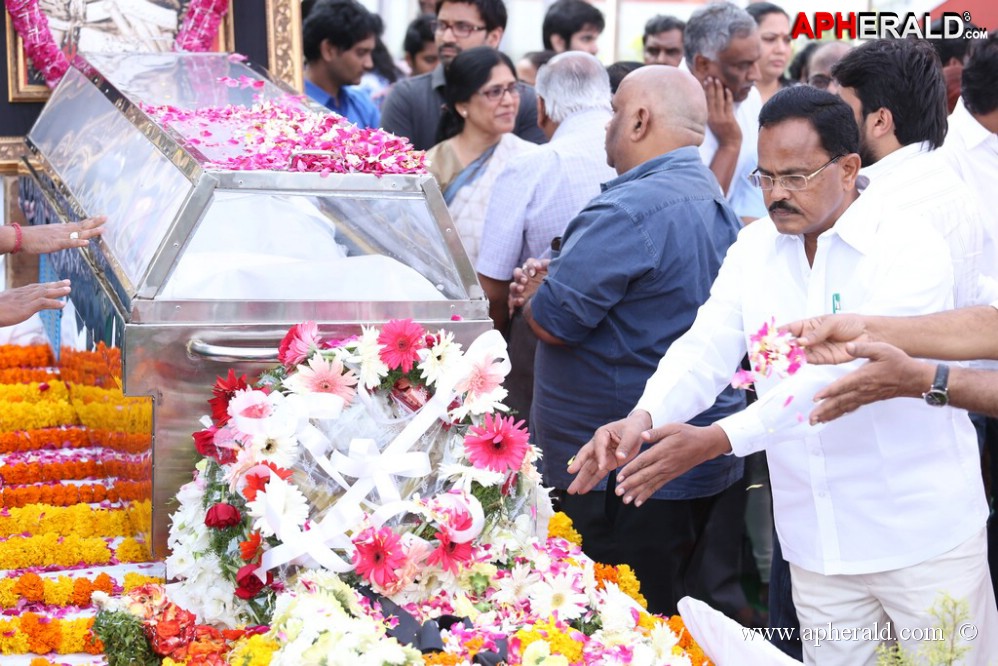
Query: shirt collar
437	80
581	121
318	94
973	132
888	162
672	159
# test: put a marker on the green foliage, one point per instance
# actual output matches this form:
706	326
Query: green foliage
950	615
127	645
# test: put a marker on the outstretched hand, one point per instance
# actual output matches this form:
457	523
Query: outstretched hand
43	238
890	373
678	448
825	338
611	446
16	305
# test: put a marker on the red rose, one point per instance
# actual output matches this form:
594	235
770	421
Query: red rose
248	584
222	515
204	442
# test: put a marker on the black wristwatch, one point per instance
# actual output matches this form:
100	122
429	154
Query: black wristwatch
938	393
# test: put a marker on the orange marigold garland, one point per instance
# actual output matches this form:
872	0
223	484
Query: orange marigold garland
69	494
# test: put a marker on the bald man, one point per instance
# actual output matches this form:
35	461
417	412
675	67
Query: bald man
632	270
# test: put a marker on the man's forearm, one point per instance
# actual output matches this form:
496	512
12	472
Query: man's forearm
723	166
974	390
960	335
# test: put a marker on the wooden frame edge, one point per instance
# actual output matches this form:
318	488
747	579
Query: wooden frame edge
284	47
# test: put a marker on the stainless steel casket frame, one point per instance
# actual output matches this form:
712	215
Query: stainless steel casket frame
174	347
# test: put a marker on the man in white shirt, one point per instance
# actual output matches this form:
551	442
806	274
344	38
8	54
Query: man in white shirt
880	511
897	92
971	146
722	46
537	195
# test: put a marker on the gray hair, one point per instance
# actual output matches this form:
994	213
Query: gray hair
711	29
573	82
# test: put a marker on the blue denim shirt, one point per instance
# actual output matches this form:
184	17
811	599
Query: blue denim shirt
633	268
353	104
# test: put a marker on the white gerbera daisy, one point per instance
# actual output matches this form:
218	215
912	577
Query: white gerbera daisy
558	595
278	500
368	356
439	359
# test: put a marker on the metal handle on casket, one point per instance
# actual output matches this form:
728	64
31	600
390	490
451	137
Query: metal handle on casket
228	354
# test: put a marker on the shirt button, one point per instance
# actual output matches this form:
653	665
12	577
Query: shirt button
822	493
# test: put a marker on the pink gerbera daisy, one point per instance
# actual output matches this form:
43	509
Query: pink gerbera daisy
401	340
322	375
379	556
498	444
450	555
486	376
300	341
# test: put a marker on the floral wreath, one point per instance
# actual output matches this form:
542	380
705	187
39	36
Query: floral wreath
383	457
199	27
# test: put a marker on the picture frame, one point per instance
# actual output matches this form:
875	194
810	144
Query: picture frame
24	84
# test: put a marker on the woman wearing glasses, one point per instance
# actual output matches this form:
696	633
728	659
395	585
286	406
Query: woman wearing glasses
475	138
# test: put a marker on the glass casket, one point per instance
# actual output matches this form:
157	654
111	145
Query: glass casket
202	268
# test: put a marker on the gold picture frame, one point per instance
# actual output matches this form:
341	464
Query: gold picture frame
24	84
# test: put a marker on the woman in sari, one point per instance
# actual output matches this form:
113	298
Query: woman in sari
475	138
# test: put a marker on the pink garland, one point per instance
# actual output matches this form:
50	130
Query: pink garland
200	25
33	27
196	34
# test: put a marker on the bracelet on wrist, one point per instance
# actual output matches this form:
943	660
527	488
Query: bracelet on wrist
18	238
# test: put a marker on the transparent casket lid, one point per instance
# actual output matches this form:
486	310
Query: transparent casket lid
311	242
343	246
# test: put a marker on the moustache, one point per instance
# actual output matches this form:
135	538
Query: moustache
782	205
449	45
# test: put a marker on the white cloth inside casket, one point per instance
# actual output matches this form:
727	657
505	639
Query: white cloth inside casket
254	246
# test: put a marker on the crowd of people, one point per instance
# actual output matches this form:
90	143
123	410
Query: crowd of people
634	225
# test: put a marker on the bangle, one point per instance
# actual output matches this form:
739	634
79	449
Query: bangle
18	238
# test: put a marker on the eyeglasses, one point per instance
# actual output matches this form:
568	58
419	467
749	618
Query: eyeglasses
460	29
495	93
792	182
820	81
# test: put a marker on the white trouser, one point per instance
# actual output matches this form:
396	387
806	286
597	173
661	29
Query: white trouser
844	618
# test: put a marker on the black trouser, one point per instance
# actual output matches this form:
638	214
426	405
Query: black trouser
672	545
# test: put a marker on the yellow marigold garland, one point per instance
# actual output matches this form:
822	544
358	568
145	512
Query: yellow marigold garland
49	391
21	552
77	520
34	415
65	590
560	639
31	633
560	526
256	650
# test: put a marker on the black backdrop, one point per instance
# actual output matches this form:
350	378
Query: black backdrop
249	22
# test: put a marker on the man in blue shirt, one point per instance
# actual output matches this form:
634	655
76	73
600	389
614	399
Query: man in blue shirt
338	38
633	268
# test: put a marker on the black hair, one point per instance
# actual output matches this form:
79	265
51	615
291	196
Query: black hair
418	34
661	23
493	12
567	17
468	72
903	76
760	10
979	85
798	70
618	70
342	22
952	47
830	117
